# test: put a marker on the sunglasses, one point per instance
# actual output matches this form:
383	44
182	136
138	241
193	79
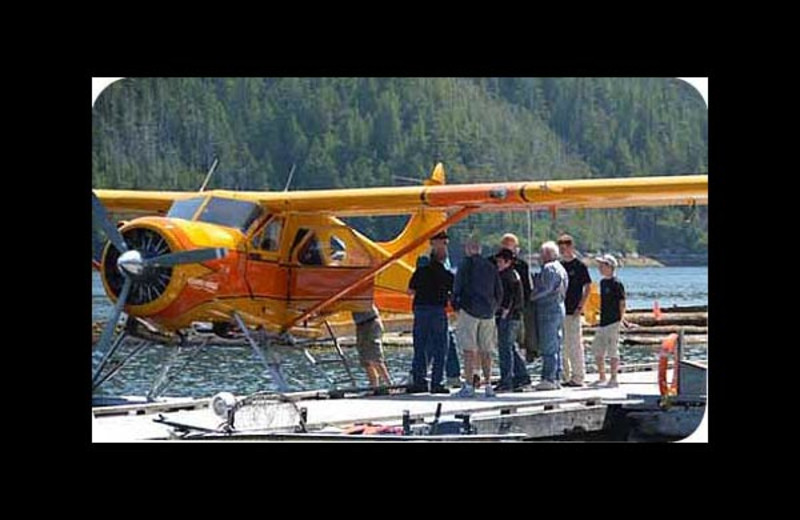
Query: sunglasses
562	243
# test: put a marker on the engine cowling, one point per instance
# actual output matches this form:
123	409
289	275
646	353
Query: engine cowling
152	281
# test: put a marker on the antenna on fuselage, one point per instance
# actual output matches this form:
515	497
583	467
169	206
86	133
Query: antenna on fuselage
410	180
289	180
208	176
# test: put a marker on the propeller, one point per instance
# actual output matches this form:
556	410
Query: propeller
100	218
134	267
193	256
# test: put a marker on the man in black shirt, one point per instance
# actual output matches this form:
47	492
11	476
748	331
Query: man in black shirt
431	286
578	289
513	373
612	314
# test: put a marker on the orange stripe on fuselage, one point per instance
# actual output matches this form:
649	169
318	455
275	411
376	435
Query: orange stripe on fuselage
392	301
321	282
222	278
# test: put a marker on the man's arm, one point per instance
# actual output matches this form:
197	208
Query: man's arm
517	298
458	285
549	284
622	306
525	277
412	284
498	291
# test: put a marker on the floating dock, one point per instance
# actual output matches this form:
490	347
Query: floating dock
566	413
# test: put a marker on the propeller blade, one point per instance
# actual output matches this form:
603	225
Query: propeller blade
108	332
101	219
193	256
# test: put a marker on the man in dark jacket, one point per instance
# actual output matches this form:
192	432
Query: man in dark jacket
513	372
476	296
526	335
431	286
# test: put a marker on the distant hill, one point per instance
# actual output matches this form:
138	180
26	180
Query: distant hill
357	132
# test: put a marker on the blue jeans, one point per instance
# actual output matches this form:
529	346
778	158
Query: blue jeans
550	323
430	344
452	367
513	371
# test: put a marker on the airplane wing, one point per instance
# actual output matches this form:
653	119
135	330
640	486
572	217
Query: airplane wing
501	196
151	202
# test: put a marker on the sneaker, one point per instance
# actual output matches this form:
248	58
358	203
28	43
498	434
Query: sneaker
466	391
522	384
612	383
501	388
439	389
453	382
547	385
573	384
488	391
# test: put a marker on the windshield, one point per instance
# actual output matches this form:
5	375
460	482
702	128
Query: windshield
185	209
233	213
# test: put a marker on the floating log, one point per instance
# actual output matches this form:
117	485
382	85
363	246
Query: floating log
699	319
657	340
660	330
674	309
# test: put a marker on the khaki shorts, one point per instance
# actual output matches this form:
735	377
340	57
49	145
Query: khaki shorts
475	333
368	341
606	341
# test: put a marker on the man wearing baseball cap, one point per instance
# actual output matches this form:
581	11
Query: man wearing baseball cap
612	313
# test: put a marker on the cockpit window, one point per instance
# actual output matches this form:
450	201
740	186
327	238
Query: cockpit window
311	254
269	238
185	209
338	249
239	214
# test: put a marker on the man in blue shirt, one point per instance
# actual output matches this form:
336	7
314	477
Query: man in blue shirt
477	294
549	290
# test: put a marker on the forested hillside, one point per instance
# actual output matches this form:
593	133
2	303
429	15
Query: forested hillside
163	133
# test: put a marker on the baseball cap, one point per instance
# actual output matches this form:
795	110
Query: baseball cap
505	254
607	259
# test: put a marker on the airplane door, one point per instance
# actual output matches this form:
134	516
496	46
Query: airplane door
266	277
325	260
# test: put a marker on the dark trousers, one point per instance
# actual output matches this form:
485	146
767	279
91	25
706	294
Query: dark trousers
452	367
513	371
430	344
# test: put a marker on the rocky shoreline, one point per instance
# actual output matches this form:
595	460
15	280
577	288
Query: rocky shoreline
634	260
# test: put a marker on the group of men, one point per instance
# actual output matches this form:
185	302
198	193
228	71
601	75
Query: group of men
499	306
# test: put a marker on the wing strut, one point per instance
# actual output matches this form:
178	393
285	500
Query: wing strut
377	269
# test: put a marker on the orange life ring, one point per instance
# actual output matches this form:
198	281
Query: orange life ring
667	348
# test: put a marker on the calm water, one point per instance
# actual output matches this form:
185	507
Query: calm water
235	369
